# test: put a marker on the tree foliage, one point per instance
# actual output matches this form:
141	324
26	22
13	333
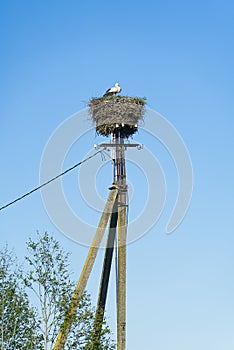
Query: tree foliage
18	320
47	276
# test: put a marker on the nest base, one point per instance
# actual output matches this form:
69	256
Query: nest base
112	113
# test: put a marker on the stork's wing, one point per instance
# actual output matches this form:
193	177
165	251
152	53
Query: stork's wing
111	91
107	91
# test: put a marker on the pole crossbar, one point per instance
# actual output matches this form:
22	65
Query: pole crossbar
106	145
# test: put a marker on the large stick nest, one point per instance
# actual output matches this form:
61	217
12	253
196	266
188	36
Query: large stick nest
111	113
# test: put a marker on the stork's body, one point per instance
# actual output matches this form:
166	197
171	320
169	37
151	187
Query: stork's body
113	90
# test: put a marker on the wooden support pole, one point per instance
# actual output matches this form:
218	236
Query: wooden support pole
121	294
105	278
81	285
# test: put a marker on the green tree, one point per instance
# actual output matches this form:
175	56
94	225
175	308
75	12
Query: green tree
49	278
18	323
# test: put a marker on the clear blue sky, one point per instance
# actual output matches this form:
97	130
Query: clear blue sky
55	56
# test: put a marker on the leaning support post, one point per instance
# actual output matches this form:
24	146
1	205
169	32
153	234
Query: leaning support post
121	294
98	322
81	285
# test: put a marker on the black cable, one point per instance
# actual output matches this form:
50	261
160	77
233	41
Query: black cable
46	183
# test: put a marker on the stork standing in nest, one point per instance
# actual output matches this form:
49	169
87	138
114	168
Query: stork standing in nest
113	90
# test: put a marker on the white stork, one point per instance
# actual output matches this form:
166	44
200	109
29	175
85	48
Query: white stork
113	90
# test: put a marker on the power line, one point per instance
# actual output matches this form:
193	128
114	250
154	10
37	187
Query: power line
49	181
